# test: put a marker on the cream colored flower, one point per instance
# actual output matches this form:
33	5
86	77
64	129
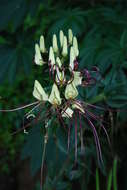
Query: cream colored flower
42	44
39	92
71	91
54	97
78	106
38	58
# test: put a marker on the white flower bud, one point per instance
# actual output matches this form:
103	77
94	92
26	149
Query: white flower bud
75	45
55	46
38	58
42	44
65	48
72	57
70	36
51	56
61	38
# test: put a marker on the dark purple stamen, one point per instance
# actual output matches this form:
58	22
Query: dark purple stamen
75	138
96	138
96	69
69	134
81	132
97	142
50	68
60	117
96	118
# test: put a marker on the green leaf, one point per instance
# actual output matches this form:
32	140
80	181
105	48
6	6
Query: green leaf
97	180
123	39
109	184
115	174
69	18
12	11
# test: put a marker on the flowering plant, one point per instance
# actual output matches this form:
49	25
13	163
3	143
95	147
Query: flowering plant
62	67
60	98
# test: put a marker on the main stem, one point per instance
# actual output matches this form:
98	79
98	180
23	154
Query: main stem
43	159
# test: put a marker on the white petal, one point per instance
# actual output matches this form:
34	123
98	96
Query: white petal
68	112
39	92
38	58
54	97
71	91
77	78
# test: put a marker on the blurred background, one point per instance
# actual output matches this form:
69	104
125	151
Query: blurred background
101	28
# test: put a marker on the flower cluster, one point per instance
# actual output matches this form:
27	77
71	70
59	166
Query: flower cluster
62	67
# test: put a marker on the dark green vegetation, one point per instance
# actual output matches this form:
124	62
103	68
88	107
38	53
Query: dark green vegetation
101	28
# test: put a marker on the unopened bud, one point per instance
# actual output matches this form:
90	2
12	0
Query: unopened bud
72	58
70	36
64	51
61	38
38	58
75	45
51	56
42	44
55	46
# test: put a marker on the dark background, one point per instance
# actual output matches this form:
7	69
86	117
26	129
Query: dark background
101	28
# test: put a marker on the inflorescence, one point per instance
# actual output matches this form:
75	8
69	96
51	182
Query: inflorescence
62	67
